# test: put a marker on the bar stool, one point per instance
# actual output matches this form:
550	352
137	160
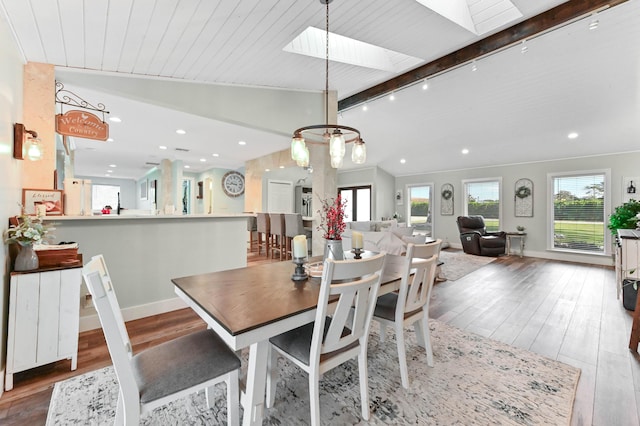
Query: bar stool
252	227
294	226
263	226
278	234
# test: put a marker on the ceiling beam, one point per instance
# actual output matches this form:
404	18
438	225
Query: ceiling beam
545	21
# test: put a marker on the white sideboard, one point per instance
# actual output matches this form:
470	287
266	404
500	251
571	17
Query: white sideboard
43	319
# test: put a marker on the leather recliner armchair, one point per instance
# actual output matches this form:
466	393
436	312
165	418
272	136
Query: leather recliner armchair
476	240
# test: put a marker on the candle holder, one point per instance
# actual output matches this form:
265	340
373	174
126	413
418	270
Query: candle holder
299	274
357	252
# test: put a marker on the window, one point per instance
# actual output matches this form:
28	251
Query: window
482	197
419	207
358	205
578	211
104	195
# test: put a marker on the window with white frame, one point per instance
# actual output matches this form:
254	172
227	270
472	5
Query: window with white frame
482	197
358	203
104	195
578	207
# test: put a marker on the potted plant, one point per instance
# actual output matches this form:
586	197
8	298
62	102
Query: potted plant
624	216
520	229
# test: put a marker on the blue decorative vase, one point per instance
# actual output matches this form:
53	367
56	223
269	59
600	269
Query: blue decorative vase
27	259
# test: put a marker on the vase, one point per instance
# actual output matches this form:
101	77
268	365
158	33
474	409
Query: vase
27	259
333	250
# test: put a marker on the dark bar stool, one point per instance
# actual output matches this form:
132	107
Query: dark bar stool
252	227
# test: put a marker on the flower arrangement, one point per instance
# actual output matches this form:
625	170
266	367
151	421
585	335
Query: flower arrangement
332	218
30	230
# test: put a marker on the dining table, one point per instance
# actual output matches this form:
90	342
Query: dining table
247	306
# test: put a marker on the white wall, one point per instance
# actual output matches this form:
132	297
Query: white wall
10	169
621	165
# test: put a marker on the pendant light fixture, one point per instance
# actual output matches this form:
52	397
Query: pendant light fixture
337	136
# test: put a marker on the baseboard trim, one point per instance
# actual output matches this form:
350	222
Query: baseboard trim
560	256
92	322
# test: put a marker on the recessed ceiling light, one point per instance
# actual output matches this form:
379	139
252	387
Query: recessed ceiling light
365	107
203	160
267	170
402	161
465	151
425	85
572	135
107	175
109	171
282	167
162	147
474	67
110	140
242	143
392	97
181	132
187	166
216	155
112	165
115	119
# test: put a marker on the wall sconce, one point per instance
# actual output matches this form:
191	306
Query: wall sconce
22	143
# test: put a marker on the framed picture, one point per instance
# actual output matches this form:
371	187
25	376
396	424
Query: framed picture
51	199
143	189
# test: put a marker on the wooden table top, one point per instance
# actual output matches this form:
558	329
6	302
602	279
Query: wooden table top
243	299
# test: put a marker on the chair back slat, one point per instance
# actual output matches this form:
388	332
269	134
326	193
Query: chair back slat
99	284
418	277
97	264
357	287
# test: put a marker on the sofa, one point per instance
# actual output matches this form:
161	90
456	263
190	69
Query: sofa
383	235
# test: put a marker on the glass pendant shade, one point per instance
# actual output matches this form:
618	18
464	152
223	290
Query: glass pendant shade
359	152
35	151
303	157
336	144
297	148
336	161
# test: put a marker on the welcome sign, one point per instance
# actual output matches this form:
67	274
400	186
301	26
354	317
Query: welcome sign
82	124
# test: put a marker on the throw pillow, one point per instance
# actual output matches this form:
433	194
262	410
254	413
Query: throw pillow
402	232
361	226
418	239
385	225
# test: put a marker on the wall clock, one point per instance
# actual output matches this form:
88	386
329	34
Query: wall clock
233	184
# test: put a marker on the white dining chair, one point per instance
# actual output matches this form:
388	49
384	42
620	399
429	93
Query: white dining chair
162	373
337	334
410	305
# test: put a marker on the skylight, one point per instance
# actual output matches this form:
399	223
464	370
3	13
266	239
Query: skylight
477	16
312	42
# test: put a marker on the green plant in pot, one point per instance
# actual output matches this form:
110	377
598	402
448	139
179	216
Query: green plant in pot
624	216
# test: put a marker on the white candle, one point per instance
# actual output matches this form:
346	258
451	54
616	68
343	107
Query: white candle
300	246
356	240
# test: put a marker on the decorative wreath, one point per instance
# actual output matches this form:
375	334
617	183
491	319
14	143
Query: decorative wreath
523	192
447	194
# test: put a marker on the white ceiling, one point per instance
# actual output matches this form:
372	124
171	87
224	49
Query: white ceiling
514	108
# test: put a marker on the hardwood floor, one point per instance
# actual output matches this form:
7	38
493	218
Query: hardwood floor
565	311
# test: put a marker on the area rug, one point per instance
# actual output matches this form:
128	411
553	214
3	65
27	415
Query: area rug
474	380
457	264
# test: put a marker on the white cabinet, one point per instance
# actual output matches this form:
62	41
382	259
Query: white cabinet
44	313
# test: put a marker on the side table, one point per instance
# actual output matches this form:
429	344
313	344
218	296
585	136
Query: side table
519	235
